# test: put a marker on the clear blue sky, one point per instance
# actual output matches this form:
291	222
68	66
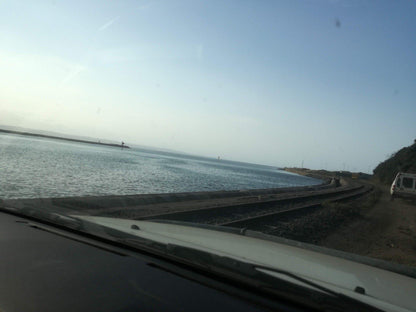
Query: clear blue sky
329	83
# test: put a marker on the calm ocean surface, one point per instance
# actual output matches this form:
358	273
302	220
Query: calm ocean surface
33	167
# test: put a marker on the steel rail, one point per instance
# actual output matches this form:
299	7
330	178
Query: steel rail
272	216
221	214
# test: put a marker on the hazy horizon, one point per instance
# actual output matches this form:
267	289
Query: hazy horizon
152	148
328	84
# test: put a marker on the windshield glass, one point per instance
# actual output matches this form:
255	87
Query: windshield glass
286	118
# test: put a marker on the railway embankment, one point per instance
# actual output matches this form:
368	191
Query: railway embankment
131	206
353	215
257	209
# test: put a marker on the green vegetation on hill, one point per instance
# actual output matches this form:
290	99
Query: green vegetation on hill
402	161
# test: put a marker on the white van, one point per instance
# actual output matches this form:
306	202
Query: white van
404	185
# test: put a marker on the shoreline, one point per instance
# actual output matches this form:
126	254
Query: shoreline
315	174
61	138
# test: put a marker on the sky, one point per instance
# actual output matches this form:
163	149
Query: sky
329	84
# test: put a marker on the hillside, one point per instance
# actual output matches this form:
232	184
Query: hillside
404	160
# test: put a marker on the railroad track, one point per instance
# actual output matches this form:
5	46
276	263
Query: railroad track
263	211
118	205
261	221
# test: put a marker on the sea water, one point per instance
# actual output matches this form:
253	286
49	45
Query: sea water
34	167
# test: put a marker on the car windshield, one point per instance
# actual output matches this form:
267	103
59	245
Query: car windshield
288	121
